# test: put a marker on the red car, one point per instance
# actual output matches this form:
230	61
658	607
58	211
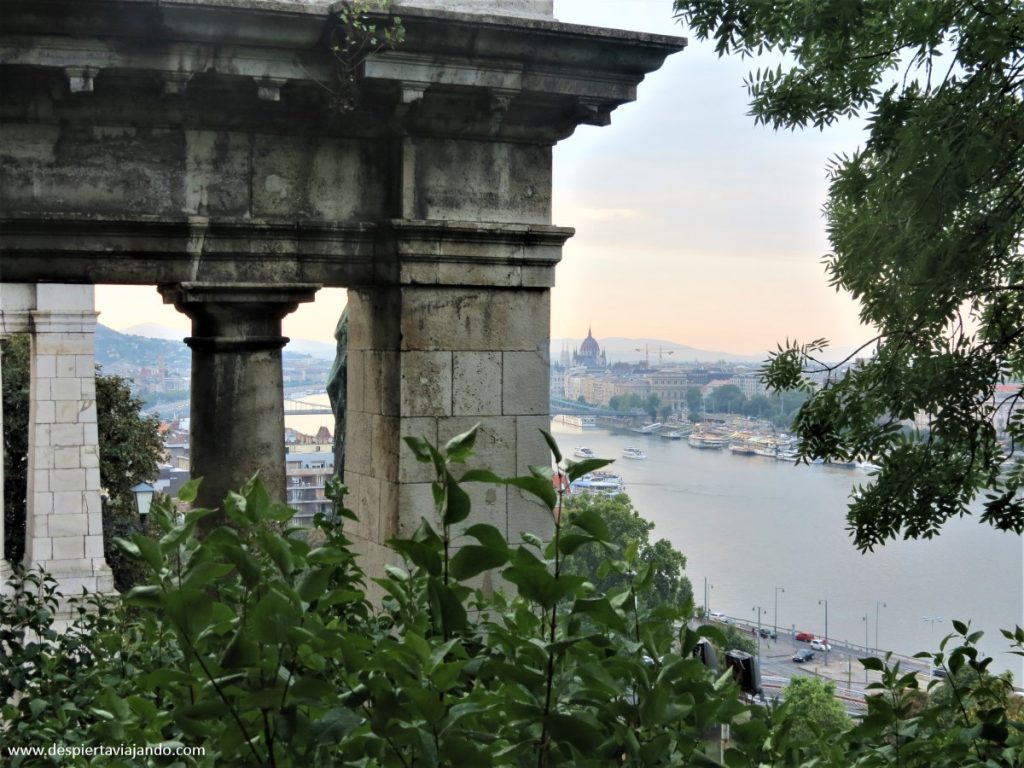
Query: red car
805	637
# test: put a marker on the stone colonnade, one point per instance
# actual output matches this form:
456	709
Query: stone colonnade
64	522
203	148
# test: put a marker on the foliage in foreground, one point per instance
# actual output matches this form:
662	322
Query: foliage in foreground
257	642
925	222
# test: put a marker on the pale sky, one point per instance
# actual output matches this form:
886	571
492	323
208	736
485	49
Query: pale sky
693	225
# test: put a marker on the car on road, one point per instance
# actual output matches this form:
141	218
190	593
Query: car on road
804	654
820	645
805	637
719	617
940	672
766	633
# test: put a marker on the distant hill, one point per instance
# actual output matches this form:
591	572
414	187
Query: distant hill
114	348
126	350
621	349
308	347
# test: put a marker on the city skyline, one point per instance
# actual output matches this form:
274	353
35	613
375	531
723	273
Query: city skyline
693	225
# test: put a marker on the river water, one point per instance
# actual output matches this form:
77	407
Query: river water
749	524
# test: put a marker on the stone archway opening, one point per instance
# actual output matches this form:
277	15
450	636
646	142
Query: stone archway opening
192	147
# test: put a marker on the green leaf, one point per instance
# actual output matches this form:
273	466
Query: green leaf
420	554
458	505
313	583
601	611
541	488
271	617
419	448
275	546
872	663
487	535
570	542
460	447
552	445
575	730
449	613
150	551
481	476
201	572
336	723
471	560
591	521
577	469
128	547
189	491
147	595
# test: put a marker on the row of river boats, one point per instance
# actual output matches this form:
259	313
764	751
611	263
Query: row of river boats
779	447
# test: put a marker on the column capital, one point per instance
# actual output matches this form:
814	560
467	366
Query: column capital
236	317
285	296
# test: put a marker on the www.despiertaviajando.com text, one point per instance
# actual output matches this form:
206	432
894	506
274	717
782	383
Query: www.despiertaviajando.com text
105	750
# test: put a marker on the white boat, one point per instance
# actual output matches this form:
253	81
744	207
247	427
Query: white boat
629	452
650	429
582	452
708	440
580	422
604	483
672	434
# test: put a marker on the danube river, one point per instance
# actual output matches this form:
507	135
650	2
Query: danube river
749	524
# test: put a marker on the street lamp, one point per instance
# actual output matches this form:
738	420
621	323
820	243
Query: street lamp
877	603
931	620
759	610
775	616
825	603
143	499
866	643
707	595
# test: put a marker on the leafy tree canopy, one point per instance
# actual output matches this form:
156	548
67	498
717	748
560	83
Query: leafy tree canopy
629	530
925	223
811	713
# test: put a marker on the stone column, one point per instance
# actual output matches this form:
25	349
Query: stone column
64	525
431	361
237	410
5	567
16	302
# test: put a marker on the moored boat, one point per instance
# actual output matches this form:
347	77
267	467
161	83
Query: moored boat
604	483
707	440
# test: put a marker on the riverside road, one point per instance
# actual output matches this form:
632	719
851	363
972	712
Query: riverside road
843	668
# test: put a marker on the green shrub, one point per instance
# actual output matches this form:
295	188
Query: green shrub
259	645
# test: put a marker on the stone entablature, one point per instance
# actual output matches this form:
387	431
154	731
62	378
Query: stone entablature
195	145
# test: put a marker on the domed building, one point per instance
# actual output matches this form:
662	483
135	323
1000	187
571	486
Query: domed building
589	354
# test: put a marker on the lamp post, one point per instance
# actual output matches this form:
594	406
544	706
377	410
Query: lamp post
866	643
775	616
143	499
883	605
759	610
707	595
931	620
825	603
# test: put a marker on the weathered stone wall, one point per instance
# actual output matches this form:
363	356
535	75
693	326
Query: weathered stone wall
199	146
